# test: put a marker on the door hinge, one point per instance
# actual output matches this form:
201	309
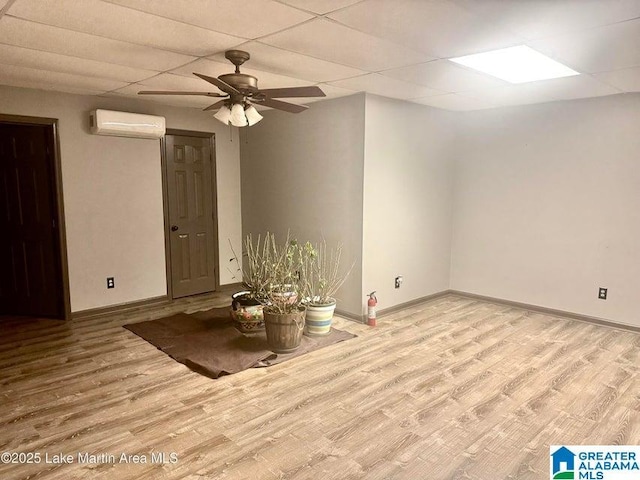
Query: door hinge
53	223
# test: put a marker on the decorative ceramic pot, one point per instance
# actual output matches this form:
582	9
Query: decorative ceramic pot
284	330
319	319
246	313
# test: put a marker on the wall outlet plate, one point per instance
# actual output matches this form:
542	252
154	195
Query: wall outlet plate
602	293
111	282
398	281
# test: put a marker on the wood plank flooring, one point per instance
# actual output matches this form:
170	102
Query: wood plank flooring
455	388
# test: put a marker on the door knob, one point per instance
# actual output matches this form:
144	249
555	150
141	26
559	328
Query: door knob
174	228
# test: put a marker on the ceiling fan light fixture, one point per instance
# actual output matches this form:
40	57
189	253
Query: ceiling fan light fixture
224	115
252	115
238	118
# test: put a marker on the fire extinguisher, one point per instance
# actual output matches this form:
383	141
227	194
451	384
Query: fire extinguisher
371	309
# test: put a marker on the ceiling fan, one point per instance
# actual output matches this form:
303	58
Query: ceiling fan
241	92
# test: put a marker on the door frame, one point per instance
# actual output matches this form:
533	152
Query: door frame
165	203
58	199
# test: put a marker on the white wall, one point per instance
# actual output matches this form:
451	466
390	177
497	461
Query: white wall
113	194
547	206
408	189
303	173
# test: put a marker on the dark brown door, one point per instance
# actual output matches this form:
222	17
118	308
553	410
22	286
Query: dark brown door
190	202
30	271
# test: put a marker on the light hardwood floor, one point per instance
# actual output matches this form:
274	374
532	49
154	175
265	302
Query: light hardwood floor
455	388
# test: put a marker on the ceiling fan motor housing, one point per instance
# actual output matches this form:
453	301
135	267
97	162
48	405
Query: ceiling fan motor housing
247	84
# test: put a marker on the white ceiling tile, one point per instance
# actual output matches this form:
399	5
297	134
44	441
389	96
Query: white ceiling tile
627	80
57	78
578	86
170	81
445	76
454	101
275	60
521	94
596	50
214	69
339	44
385	86
112	21
22	33
438	27
247	19
38	59
536	19
320	6
42	85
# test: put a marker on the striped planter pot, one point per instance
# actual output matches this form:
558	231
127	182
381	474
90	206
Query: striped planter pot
319	319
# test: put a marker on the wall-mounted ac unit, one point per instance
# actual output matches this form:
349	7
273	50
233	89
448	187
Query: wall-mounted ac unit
125	124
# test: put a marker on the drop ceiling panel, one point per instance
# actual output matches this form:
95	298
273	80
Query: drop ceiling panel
275	60
579	86
385	86
37	36
445	76
627	80
440	28
454	101
247	19
171	81
536	19
214	69
596	50
336	43
521	94
57	78
42	85
112	21
320	6
54	62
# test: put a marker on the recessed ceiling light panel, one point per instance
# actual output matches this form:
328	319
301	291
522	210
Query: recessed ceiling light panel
519	64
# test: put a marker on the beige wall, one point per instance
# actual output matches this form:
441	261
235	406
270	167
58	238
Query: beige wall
303	173
408	188
113	194
547	205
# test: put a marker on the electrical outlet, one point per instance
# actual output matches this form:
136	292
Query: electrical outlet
111	282
602	293
399	280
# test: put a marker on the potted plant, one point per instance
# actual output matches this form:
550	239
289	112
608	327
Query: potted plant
247	305
283	287
323	279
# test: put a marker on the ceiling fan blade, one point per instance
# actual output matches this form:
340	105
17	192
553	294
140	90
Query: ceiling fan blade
287	107
163	92
224	86
216	105
291	92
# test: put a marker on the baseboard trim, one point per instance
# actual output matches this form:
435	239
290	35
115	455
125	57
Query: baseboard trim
411	303
350	316
549	311
120	307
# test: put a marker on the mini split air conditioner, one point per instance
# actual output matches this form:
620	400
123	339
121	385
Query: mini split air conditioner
125	124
